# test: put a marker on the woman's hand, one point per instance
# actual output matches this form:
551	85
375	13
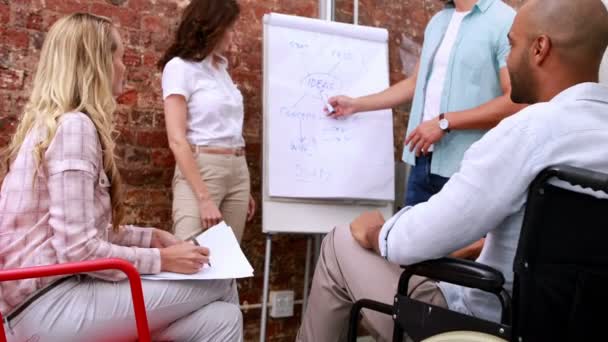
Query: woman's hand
250	208
210	214
184	257
162	239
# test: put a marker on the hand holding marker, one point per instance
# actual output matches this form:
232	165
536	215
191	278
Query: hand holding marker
328	107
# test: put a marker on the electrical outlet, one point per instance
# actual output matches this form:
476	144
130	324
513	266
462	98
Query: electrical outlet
282	304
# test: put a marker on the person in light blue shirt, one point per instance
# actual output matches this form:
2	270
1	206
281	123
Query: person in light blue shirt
557	47
459	89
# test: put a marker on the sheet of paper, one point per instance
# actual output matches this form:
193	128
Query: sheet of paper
226	258
311	155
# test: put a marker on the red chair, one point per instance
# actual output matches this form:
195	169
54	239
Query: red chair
141	319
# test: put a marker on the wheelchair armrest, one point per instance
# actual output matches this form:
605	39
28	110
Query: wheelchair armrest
460	272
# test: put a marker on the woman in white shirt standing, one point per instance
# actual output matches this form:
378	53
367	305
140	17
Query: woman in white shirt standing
204	116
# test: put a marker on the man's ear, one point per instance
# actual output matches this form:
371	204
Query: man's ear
541	48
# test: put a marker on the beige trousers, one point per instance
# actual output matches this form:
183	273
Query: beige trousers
346	273
227	179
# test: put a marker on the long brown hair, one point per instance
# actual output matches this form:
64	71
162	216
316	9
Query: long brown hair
203	25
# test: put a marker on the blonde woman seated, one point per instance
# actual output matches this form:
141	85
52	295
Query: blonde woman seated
61	202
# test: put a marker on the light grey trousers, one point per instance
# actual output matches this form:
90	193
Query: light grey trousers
346	273
89	309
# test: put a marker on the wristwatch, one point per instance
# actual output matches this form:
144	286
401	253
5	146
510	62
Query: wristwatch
444	124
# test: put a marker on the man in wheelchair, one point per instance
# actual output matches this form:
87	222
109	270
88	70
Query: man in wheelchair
557	47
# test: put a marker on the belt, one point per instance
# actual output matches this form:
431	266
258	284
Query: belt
33	298
239	151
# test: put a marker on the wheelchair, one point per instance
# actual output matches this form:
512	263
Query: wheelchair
560	274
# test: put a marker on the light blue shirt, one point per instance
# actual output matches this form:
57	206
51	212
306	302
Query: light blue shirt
488	194
473	76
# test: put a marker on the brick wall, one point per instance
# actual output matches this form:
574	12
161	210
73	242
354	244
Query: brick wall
147	163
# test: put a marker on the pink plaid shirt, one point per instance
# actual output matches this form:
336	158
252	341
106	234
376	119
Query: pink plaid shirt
65	214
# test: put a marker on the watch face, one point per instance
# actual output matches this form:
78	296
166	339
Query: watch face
444	124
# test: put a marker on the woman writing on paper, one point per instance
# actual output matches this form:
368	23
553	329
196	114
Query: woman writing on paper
204	115
61	201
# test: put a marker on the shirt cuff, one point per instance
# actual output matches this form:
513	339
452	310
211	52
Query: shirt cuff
385	231
150	263
131	236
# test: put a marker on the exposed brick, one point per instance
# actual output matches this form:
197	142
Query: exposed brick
121	118
117	2
163	158
8	124
16	38
124	17
38	40
35	21
157	216
158	197
159	119
159	41
129	97
127	135
50	18
11	79
136	156
19	16
141	177
153	23
152	139
139	5
136	196
132	58
66	6
134	38
150	100
150	59
138	75
5	14
142	118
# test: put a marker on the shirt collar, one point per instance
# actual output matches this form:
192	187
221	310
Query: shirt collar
584	91
208	61
482	5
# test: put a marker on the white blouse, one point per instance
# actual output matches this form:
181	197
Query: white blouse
215	104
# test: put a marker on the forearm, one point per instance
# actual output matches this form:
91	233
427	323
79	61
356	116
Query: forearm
398	94
189	168
486	116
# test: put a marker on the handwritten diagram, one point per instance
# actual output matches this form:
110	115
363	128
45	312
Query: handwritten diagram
309	153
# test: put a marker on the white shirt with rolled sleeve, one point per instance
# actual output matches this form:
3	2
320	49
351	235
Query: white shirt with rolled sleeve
215	104
488	194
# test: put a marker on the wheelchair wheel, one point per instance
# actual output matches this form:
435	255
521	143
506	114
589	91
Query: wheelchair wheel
464	336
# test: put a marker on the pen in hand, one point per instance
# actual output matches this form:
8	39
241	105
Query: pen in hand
193	240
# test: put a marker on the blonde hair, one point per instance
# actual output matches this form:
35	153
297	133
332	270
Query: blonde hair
75	74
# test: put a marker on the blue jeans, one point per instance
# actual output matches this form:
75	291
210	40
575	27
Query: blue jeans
422	184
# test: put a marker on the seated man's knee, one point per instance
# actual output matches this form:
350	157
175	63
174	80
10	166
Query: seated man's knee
339	236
